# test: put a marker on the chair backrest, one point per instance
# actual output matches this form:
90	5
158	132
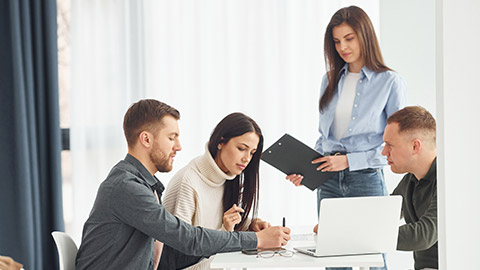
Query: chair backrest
67	250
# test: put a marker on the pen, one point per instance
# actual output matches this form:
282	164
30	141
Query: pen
283	222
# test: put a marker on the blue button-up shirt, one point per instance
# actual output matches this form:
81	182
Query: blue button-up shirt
378	95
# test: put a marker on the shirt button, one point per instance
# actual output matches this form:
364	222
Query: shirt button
349	129
358	93
353	118
355	105
360	81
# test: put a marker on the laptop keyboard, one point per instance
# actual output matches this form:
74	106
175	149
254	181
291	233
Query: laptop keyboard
312	250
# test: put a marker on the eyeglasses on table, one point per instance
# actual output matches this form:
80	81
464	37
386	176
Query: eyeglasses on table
270	253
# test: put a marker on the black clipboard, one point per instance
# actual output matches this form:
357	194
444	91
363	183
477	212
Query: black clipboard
290	155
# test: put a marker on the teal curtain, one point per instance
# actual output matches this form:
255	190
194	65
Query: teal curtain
30	142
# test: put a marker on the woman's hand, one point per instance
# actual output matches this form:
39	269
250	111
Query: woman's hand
296	179
332	163
259	225
232	217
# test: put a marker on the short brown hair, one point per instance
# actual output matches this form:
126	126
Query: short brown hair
145	114
414	118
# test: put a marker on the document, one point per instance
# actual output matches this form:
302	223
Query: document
291	156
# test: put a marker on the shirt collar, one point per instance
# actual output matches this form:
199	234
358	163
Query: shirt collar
146	175
431	174
365	72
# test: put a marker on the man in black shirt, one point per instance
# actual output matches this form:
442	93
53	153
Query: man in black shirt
410	148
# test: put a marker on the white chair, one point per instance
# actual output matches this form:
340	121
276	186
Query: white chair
67	250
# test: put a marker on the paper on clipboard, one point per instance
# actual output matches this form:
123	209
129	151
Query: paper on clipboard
291	156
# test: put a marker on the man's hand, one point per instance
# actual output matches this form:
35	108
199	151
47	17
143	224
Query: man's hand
259	225
273	237
7	263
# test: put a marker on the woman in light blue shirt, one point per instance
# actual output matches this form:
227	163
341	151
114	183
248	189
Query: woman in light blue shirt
358	94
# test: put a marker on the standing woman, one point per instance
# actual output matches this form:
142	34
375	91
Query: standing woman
358	94
219	190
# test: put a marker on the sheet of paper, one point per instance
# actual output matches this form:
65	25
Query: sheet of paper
302	237
301	240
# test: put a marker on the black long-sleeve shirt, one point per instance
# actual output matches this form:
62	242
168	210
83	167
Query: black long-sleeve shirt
419	208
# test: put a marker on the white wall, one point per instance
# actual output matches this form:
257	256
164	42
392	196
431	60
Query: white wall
407	31
458	129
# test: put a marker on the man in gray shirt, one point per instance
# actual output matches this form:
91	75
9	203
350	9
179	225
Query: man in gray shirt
127	215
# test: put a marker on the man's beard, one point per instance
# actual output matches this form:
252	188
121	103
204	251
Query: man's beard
161	162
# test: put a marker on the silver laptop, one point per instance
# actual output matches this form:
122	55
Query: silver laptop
354	226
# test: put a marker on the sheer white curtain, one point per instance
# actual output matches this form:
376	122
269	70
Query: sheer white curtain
207	59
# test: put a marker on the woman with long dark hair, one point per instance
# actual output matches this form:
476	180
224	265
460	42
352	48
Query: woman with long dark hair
357	95
219	190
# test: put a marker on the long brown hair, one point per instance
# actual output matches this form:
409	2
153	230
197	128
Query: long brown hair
356	18
243	189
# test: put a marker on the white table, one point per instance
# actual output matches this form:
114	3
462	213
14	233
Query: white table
298	260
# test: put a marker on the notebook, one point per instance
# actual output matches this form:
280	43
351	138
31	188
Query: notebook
291	156
356	226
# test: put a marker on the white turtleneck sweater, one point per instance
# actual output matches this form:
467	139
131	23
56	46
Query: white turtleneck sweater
195	195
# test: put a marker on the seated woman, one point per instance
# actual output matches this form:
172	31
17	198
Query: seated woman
219	190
